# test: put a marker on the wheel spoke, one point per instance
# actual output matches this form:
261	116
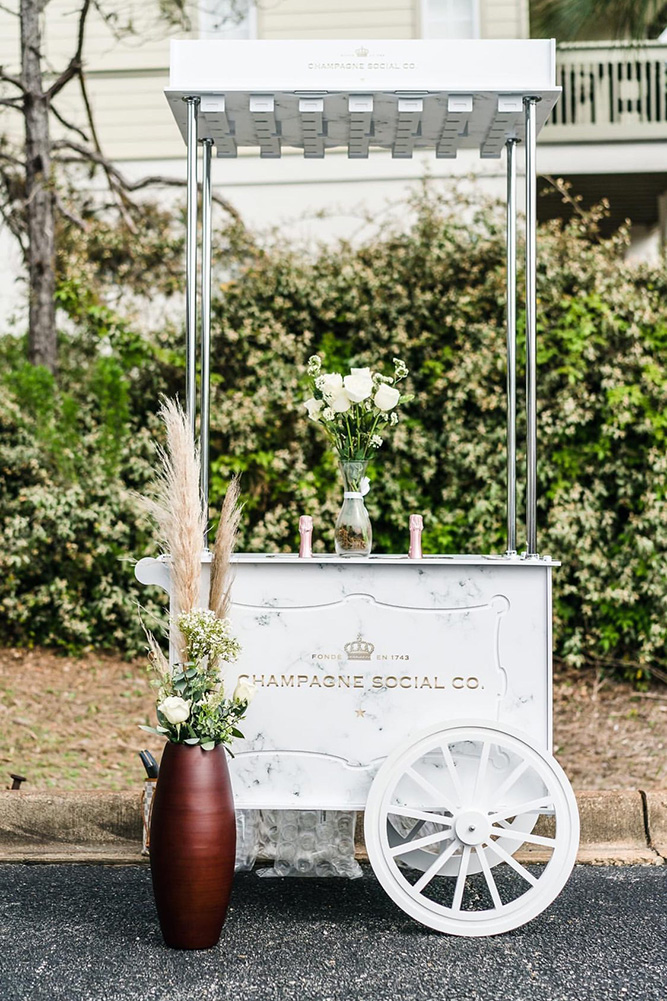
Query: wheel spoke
429	788
512	862
542	805
429	839
435	867
533	839
488	876
416	814
461	878
453	774
481	770
511	779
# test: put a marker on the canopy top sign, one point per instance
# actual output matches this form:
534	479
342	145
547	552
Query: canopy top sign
396	95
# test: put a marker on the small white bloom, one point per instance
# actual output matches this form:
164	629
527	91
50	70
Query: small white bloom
359	385
328	414
314	365
245	691
340	402
400	368
376	441
393	418
386	398
329	384
175	709
314	408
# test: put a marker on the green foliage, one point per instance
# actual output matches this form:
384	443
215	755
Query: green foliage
433	295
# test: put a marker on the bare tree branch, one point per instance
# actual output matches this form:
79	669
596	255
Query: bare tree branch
155	180
14	80
70	214
8	10
76	62
11	102
69	125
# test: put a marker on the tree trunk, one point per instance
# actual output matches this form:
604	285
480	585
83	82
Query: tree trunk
40	200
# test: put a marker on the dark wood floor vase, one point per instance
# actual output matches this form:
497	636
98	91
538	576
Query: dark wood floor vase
192	845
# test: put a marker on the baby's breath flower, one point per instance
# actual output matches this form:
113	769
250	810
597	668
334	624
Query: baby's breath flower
207	637
400	369
328	414
314	365
376	441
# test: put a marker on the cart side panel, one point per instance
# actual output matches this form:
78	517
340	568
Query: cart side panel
350	659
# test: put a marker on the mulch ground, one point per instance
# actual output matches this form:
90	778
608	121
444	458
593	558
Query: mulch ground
72	723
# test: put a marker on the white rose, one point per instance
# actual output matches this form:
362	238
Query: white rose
329	384
359	385
340	402
386	398
175	709
245	691
314	408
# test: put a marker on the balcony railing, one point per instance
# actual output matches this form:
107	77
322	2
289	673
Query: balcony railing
611	93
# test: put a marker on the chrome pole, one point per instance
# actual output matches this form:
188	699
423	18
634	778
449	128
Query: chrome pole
511	346
191	268
530	104
205	403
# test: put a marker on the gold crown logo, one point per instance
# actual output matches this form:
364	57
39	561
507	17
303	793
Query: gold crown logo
361	52
359	649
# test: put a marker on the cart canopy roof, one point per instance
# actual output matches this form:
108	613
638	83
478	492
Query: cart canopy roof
401	96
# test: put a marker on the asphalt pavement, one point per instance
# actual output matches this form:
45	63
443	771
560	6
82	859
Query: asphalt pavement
90	933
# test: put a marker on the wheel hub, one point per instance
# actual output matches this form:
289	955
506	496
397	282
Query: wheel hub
472	827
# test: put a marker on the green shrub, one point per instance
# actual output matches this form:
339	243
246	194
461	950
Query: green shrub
433	295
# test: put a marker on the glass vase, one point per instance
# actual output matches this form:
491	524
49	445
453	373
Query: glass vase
353	534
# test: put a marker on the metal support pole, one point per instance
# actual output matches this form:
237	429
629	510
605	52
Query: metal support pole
205	411
191	268
511	346
530	104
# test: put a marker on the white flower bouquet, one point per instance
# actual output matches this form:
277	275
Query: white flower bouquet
356	409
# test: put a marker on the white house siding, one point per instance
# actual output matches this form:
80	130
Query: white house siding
342	19
504	19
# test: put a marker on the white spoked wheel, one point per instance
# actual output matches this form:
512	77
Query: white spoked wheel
447	814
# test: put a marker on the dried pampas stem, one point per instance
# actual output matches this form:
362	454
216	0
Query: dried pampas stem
178	510
225	541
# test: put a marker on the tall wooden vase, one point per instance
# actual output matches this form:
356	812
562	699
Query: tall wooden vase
192	845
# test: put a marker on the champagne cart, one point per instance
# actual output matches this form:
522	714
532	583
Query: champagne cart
415	689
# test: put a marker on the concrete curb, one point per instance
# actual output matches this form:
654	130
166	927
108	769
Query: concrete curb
617	827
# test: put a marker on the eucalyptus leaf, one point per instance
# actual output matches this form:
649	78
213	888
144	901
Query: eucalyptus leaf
150	729
191	740
161	729
208	746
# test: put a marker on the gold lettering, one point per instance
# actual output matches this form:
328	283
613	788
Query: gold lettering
377	681
287	680
302	679
409	681
328	681
426	683
470	681
343	682
358	681
438	685
390	679
258	679
272	681
454	682
315	682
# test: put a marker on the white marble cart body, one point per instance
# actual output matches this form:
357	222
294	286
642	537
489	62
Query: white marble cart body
351	657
